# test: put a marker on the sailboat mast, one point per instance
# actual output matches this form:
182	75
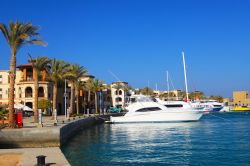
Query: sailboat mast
168	85
185	74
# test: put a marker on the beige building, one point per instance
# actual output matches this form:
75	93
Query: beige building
119	96
24	91
24	87
240	98
173	95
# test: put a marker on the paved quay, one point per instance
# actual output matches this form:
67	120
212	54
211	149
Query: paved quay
54	156
43	141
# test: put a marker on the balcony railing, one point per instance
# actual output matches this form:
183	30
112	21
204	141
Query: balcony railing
28	95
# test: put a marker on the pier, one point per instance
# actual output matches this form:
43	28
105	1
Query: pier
31	141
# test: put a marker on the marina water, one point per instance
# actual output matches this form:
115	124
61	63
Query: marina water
217	139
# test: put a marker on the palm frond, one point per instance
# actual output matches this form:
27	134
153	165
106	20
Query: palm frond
38	42
18	34
5	32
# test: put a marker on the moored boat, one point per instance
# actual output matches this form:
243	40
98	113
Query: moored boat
207	105
151	111
241	108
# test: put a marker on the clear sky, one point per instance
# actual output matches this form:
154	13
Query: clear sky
139	40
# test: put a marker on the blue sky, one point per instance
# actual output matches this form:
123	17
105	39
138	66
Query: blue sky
138	40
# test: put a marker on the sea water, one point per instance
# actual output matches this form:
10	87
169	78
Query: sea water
217	139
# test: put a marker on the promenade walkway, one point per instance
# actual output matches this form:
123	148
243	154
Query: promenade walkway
27	156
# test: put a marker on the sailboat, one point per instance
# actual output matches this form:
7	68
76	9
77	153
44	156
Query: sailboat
204	105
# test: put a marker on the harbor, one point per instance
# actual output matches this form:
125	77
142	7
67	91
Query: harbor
124	83
217	139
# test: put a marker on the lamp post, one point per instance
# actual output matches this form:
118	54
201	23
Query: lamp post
65	99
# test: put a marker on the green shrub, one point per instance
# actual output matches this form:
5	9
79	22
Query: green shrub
3	111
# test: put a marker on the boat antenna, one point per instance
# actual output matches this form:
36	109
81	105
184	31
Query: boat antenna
185	74
110	72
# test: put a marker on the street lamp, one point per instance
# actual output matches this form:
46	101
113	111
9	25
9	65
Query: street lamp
65	99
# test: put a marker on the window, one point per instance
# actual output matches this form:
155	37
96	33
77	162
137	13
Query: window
1	96
149	109
120	92
118	99
1	79
40	92
28	92
174	105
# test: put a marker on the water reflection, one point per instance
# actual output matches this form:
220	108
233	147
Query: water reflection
210	141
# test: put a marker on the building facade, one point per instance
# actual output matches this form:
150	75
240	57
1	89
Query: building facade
240	98
24	87
118	94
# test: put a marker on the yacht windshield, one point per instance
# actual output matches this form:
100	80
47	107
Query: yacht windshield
149	109
141	98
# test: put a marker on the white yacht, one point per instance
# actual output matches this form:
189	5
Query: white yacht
144	109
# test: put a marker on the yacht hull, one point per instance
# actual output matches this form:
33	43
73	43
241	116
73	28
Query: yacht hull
159	116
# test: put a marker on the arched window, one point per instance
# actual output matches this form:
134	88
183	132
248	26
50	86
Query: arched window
40	92
28	92
120	92
20	92
116	92
118	99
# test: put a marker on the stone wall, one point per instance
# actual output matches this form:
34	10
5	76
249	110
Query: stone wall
44	137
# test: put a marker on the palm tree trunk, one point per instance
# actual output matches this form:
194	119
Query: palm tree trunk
11	91
72	98
35	96
77	100
54	99
89	95
96	103
83	102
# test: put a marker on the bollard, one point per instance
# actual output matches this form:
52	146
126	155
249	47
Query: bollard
55	117
68	113
104	111
40	118
88	111
40	160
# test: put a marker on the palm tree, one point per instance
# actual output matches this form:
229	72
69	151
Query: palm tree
89	88
97	87
17	34
38	64
146	91
57	73
74	73
79	86
126	89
